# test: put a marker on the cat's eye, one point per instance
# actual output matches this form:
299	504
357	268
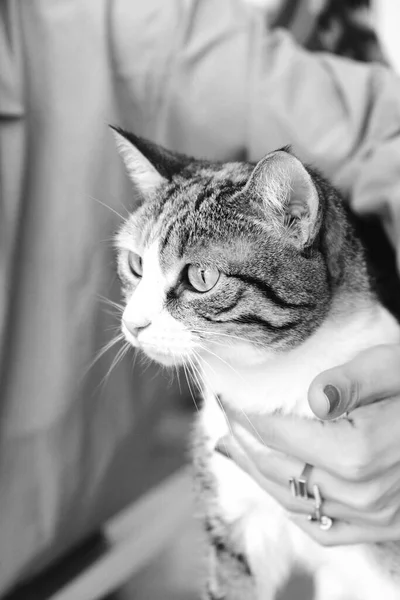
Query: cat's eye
202	279
135	264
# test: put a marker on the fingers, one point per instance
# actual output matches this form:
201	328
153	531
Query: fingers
372	375
343	533
310	441
279	468
355	450
230	448
361	509
346	448
369	501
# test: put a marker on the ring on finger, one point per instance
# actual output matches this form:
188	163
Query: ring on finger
299	487
325	522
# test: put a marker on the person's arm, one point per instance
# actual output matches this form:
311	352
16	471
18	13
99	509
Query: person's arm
342	116
211	80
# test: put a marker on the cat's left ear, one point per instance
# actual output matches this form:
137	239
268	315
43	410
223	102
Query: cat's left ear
148	165
288	195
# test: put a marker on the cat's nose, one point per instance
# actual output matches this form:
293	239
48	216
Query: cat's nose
135	328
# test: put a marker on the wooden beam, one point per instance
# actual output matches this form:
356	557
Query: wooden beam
136	535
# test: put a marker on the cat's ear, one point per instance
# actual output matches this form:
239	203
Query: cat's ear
288	195
148	165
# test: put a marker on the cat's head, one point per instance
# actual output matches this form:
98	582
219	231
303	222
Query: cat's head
225	258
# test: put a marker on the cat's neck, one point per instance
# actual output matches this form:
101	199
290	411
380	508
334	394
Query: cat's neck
281	381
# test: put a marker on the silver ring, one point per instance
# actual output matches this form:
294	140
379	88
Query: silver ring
303	481
298	487
325	522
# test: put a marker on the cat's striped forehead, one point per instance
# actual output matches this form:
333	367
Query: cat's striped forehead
198	209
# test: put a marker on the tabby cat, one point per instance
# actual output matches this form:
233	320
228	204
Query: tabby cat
255	277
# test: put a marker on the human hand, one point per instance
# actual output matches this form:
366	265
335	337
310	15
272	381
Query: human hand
356	460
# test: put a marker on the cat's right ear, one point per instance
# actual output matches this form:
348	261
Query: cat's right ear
144	175
289	197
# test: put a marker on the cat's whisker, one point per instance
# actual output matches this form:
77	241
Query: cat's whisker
199	378
201	375
197	363
194	374
258	434
177	375
230	344
217	343
192	393
110	240
226	417
231	336
241	409
223	361
219	333
115	327
102	351
106	206
187	375
171	374
158	370
117	359
111	303
199	360
135	356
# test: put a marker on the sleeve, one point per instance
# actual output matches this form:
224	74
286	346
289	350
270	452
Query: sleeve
340	115
215	81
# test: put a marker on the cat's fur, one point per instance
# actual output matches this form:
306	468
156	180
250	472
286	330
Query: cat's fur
295	296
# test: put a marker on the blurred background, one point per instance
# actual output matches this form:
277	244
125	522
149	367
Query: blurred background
95	497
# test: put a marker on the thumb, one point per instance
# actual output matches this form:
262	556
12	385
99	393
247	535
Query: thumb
372	375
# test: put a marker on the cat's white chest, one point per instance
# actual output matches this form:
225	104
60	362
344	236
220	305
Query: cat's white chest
282	383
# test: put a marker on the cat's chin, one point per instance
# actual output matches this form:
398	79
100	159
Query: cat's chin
163	358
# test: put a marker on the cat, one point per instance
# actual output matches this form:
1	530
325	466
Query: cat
255	276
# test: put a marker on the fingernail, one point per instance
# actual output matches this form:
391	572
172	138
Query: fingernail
223	451
222	447
333	395
320	406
